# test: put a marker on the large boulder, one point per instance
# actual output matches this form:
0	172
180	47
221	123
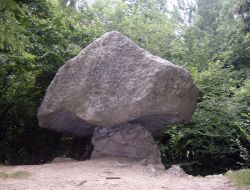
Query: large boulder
114	81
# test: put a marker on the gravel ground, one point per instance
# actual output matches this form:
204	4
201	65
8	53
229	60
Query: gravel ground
105	174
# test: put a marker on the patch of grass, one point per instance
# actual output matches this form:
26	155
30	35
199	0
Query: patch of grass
241	178
15	175
3	175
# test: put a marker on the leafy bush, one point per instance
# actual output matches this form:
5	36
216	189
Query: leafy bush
36	38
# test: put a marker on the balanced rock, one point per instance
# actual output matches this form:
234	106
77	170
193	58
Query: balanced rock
113	81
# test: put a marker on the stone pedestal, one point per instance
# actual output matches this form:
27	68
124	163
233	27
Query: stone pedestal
126	141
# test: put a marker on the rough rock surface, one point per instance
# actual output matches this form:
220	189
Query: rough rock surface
129	141
176	170
114	81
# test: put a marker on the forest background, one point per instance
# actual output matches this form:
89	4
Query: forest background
210	38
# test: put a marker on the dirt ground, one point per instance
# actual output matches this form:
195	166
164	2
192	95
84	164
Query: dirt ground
96	174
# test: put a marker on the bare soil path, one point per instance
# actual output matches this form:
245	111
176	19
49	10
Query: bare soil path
105	174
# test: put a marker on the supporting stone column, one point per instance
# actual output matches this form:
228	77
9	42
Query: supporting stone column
127	141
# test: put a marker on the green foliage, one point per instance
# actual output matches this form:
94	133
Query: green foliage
216	139
15	175
30	54
215	51
145	22
244	11
241	178
11	30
